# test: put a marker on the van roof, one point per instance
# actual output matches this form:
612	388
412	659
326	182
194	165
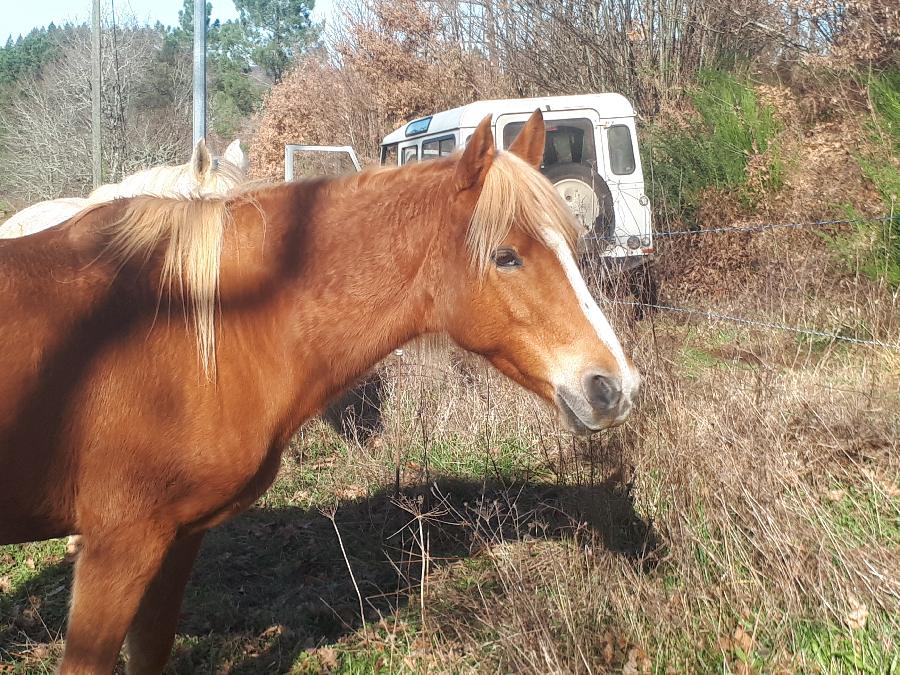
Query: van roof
468	116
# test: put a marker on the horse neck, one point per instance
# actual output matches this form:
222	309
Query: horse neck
360	266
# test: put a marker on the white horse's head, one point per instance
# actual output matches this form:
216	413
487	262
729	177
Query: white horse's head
235	155
215	176
201	176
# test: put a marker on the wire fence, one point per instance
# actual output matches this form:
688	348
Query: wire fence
767	325
762	227
757	323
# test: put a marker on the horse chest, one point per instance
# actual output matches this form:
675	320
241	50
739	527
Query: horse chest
242	490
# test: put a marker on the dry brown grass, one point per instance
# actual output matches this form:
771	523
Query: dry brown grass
763	470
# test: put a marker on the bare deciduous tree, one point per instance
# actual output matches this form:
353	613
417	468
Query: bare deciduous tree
388	63
46	131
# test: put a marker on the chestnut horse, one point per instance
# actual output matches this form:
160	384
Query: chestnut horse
158	354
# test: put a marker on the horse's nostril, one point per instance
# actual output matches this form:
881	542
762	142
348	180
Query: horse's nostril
603	392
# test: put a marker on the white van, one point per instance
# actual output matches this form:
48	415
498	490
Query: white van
591	156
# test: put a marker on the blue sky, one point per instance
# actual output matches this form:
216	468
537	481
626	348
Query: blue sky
21	17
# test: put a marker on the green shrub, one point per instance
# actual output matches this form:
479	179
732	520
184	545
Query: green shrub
884	94
874	247
730	127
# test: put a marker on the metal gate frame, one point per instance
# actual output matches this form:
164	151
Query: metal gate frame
291	150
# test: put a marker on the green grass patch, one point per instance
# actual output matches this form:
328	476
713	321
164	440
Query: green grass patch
859	515
830	648
764	645
34	598
695	361
884	93
23	564
714	149
507	459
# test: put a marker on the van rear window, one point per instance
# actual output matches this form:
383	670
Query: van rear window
438	147
567	142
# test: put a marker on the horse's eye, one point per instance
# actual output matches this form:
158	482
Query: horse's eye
506	257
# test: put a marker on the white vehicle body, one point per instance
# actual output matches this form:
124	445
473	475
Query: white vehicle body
591	156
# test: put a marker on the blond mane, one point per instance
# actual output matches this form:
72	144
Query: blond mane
193	230
516	193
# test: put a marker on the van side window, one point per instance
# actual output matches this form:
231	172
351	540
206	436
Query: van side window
389	155
438	147
621	151
430	149
410	154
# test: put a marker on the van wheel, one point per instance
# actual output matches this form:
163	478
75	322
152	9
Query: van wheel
587	194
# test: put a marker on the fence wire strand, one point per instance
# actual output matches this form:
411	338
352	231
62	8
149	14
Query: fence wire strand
762	227
768	325
715	316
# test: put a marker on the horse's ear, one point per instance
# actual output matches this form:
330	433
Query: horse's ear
477	158
529	144
201	161
235	155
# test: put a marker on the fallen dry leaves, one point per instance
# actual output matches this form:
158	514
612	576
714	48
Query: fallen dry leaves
857	615
637	663
328	658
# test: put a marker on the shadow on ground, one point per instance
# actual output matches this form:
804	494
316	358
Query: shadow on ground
273	582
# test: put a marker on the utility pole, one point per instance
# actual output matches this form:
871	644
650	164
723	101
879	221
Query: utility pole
199	70
96	148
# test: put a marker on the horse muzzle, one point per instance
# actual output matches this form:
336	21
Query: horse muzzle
599	402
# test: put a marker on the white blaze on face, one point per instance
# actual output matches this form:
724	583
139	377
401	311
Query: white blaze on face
630	377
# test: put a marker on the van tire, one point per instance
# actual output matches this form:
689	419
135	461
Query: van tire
605	223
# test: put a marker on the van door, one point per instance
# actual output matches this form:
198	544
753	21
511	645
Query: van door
409	153
626	181
318	160
573	161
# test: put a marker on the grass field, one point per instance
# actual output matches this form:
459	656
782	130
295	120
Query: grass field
746	519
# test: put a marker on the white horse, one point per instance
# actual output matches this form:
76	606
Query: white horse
201	176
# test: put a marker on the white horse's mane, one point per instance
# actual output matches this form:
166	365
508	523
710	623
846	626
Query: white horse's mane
202	175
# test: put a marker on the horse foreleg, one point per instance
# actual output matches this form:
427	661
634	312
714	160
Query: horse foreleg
152	633
112	573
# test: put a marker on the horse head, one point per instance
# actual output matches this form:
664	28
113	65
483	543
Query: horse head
217	176
524	304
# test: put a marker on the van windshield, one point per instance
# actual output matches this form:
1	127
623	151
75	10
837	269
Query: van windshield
568	141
